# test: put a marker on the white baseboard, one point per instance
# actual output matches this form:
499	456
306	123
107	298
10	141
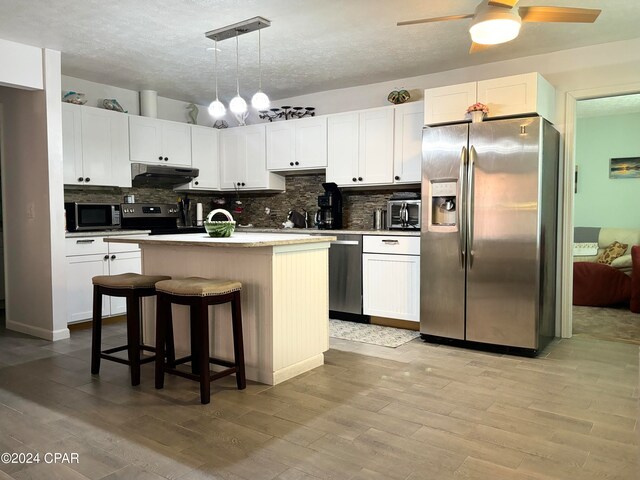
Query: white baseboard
52	335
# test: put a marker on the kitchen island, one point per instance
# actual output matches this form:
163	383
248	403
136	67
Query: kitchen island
285	295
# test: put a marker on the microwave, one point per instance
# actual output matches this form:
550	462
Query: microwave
92	216
404	214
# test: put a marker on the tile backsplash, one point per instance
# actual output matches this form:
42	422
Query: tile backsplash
301	194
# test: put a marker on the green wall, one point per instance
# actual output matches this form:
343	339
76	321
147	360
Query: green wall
601	201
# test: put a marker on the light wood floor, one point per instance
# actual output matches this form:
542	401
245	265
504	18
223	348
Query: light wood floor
416	412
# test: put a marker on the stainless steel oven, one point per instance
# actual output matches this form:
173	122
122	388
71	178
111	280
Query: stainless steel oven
404	214
92	216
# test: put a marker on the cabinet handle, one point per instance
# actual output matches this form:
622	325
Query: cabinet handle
354	179
85	241
160	158
397	177
113	257
243	184
359	179
80	179
106	257
297	163
291	163
166	159
196	183
390	242
87	179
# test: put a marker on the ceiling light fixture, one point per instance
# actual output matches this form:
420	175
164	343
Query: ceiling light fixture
238	105
216	108
493	25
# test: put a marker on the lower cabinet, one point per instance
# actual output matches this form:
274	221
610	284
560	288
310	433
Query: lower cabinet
90	256
391	277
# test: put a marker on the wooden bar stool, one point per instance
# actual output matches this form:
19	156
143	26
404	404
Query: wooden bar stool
198	294
133	287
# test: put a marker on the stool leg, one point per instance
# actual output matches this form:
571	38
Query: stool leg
169	343
162	319
194	332
203	358
96	336
238	344
133	336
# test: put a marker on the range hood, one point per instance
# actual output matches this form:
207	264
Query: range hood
143	174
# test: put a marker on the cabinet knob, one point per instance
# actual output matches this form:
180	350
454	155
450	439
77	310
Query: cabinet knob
160	158
291	163
80	179
87	179
359	179
106	257
166	159
354	179
297	163
397	177
243	184
113	257
196	183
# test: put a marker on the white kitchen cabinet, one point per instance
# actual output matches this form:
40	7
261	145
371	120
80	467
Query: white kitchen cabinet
297	145
87	257
204	157
407	157
243	163
360	147
524	94
157	141
391	276
95	147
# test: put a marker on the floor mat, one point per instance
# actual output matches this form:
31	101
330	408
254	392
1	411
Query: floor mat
373	334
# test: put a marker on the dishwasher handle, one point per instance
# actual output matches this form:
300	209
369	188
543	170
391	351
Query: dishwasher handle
345	242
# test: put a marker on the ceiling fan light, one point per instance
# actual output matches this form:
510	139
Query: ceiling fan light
217	109
494	31
260	101
237	105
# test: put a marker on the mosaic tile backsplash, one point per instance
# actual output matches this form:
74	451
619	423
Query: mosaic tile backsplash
301	194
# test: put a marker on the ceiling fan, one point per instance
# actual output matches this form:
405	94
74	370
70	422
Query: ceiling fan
498	21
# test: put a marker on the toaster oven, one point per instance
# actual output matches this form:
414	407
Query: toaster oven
404	214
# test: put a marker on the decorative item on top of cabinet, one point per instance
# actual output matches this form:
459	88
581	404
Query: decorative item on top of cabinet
220	124
192	112
112	104
75	98
398	96
287	112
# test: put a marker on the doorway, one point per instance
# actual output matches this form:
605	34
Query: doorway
600	196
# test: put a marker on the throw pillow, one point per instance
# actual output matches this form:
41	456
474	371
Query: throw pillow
613	251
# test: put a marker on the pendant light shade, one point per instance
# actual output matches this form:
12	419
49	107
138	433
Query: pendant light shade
216	108
238	105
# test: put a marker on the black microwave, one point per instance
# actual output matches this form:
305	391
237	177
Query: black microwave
92	216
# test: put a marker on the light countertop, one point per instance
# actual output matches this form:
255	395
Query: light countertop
315	231
237	240
106	233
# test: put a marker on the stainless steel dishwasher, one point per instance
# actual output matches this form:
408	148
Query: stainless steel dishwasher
345	278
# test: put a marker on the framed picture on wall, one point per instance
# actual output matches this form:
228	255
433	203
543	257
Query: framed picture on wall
624	167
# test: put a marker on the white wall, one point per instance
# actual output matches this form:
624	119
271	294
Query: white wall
600	200
168	109
32	182
20	65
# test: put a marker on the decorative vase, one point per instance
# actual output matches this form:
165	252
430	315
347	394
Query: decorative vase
477	116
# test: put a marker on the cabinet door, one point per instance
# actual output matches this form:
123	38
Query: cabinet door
176	143
311	143
253	153
343	148
281	145
231	167
105	148
514	95
80	270
391	286
448	104
145	140
204	156
72	144
129	262
375	164
407	157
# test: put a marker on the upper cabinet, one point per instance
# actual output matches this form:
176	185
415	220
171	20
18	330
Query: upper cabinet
516	95
360	147
297	145
204	157
157	141
243	162
95	147
407	156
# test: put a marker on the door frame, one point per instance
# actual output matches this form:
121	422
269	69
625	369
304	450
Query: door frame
568	189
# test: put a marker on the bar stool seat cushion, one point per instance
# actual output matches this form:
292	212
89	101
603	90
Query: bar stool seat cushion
128	280
198	287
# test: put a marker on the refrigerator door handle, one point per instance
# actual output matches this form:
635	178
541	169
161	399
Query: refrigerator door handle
470	203
460	207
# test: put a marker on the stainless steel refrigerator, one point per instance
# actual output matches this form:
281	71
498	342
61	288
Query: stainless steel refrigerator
488	239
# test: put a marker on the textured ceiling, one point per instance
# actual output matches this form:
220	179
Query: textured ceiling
599	107
312	45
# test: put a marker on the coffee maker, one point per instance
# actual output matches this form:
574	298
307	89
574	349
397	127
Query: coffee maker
329	216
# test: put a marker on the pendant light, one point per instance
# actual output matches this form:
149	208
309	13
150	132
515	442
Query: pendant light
216	108
237	104
260	101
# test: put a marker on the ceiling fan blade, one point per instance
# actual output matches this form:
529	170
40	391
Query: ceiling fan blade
503	3
558	14
478	47
436	19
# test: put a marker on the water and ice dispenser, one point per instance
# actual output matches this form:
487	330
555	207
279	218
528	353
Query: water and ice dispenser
444	205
